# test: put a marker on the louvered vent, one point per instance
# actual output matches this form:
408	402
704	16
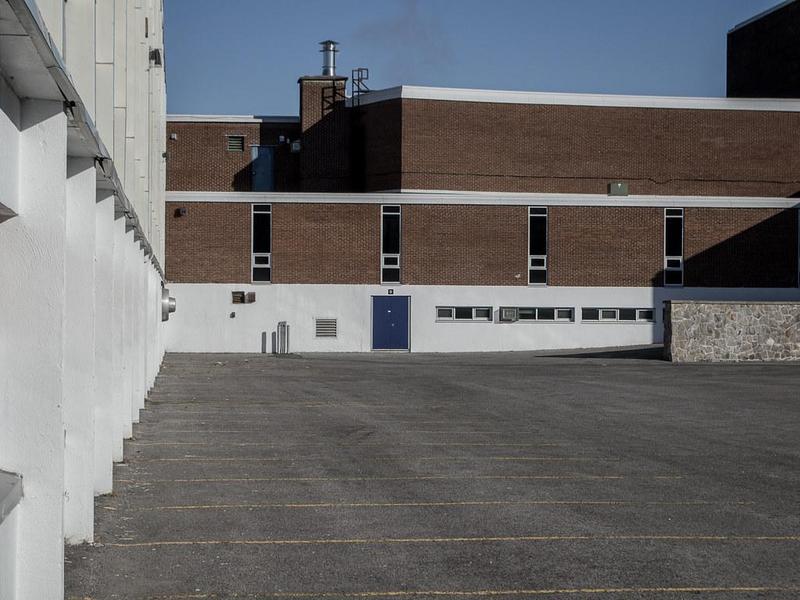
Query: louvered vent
235	143
326	327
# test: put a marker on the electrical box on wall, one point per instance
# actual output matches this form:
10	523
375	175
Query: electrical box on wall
509	314
243	297
618	188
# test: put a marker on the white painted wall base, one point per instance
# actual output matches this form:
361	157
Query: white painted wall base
8	560
205	320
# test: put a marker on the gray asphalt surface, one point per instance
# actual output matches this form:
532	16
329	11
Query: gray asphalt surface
517	475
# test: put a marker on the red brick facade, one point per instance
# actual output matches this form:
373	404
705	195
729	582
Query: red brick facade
326	243
464	245
209	244
611	246
484	245
198	158
740	248
580	149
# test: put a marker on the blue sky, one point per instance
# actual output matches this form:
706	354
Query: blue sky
244	56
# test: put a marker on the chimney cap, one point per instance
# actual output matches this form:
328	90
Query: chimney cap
329	44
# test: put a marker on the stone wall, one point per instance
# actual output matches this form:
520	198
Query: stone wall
731	331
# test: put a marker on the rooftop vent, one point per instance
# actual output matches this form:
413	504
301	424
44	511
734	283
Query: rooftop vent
329	50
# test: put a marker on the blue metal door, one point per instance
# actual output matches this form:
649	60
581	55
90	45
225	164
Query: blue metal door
390	322
263	169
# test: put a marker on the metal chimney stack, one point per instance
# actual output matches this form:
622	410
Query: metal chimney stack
329	50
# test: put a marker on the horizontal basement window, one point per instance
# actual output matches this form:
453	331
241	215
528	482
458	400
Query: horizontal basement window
617	315
325	328
509	314
464	313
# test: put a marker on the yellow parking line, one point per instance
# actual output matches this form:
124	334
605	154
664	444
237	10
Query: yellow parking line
335	445
486	593
374	458
399	478
314	505
464	540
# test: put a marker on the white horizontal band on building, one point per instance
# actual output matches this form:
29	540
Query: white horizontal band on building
444	197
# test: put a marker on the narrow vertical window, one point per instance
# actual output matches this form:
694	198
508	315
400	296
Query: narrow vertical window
537	242
262	243
390	244
673	246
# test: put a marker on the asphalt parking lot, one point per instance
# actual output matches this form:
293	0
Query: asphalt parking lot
454	476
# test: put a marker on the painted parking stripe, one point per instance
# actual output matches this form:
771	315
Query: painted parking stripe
398	478
375	458
456	503
484	593
463	540
335	445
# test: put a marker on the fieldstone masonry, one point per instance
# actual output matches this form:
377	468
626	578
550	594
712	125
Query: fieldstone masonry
731	331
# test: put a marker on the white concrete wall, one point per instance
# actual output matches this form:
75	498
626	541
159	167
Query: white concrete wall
104	382
79	315
9	151
8	562
203	322
32	298
81	340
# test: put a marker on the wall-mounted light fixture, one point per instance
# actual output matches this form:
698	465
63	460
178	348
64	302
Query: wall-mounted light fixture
181	212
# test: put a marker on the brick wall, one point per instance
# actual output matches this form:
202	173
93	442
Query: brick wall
579	149
377	146
211	244
325	125
611	246
198	160
740	248
464	245
326	243
484	245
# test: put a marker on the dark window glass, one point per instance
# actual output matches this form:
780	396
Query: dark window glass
261	232
538	235
444	313
627	314
547	314
673	277
527	314
463	312
537	276
262	207
261	260
538	211
391	275
391	209
674	237
391	234
261	274
483	313
391	260
565	313
590	314
608	314
645	315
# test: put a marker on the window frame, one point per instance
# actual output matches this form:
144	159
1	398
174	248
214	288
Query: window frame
543	214
677	213
638	311
254	255
386	209
452	319
536	319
